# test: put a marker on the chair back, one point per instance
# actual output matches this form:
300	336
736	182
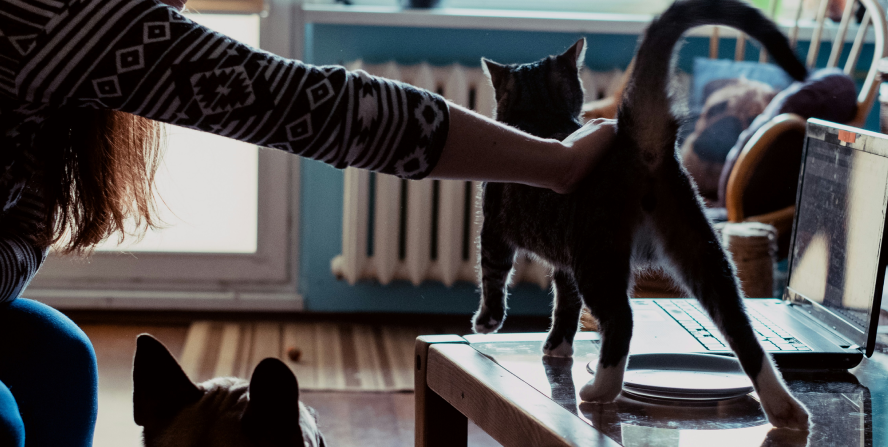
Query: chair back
873	18
759	184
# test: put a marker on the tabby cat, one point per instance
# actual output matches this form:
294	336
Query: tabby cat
222	412
639	209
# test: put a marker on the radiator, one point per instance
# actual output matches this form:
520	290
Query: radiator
427	230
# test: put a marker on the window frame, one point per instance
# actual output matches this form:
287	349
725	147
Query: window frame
264	280
550	6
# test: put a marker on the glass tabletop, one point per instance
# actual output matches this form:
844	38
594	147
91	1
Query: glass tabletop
848	408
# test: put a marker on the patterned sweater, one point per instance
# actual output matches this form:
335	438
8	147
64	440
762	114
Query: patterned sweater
142	57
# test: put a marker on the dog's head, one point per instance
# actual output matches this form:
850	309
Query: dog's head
222	412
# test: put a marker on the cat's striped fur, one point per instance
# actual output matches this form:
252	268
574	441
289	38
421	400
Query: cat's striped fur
639	209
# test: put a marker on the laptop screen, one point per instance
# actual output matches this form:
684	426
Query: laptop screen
836	249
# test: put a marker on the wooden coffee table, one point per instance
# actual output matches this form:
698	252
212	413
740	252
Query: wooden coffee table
506	387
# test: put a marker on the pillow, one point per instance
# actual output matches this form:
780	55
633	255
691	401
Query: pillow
705	144
708	70
827	94
729	108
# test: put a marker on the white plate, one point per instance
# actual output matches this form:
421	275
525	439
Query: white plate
684	376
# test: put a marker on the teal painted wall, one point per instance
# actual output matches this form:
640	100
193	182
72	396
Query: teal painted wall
321	216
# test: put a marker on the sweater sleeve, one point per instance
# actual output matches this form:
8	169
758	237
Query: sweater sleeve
143	57
20	256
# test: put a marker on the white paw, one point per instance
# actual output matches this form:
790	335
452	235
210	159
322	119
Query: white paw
563	349
786	412
483	323
783	410
606	385
491	326
601	391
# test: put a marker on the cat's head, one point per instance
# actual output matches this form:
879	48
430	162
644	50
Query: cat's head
543	98
222	412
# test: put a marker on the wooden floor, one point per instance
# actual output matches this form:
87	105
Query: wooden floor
347	418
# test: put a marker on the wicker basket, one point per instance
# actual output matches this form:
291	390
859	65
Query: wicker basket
753	246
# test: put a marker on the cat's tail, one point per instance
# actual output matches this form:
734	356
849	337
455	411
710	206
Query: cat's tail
645	113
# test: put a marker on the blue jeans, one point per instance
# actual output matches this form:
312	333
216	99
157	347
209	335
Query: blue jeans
48	378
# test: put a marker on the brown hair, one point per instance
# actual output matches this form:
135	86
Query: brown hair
102	180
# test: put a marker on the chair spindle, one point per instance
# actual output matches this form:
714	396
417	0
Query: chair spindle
858	43
818	31
839	41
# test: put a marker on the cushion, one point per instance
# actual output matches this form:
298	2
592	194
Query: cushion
708	70
827	94
729	108
742	90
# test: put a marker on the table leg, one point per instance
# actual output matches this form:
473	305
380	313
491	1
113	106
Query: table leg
437	422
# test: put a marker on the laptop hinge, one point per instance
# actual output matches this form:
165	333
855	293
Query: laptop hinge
806	315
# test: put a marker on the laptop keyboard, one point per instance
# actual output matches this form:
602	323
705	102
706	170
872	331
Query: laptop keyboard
691	316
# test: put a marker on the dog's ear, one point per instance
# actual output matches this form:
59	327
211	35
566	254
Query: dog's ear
272	416
160	387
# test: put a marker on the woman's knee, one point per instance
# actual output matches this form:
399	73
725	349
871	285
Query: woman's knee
50	365
12	429
35	339
45	332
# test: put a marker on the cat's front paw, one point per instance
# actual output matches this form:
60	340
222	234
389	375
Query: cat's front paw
486	322
557	346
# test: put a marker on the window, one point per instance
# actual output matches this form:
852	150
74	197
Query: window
207	184
604	6
786	8
229	240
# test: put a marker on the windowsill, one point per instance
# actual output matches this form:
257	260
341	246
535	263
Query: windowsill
518	20
494	19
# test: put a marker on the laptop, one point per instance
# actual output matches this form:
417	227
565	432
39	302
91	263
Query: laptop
828	315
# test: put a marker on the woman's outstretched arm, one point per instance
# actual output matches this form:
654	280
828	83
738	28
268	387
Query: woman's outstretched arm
478	148
146	59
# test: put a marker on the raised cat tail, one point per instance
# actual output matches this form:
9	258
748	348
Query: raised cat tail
645	113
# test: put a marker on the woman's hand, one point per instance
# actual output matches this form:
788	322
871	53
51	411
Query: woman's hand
585	147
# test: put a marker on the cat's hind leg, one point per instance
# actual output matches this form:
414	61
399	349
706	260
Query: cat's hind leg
497	259
699	263
603	283
565	315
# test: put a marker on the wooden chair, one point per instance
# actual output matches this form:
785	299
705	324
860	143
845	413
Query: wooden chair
786	132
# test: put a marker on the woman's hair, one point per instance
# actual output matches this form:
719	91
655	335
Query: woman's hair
99	177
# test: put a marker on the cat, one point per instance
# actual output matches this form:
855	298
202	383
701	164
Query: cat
638	209
221	412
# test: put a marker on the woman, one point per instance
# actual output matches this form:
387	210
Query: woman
81	82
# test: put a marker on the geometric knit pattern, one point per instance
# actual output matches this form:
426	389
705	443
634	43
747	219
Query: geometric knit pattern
143	57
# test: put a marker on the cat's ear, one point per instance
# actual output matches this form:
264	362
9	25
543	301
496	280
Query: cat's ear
272	416
160	387
498	73
576	54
